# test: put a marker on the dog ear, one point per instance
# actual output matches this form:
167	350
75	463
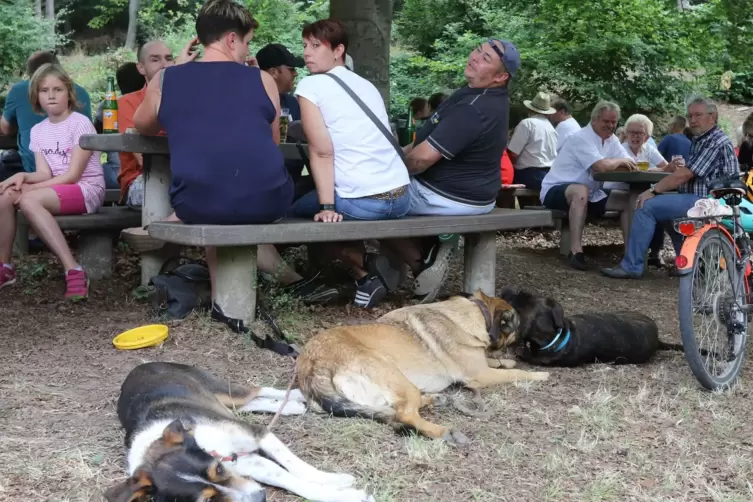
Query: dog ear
508	294
558	315
133	489
175	434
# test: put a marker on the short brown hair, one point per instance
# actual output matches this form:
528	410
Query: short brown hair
329	31
39	58
219	17
679	122
50	70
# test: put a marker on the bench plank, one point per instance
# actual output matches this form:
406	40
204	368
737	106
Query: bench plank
292	231
108	218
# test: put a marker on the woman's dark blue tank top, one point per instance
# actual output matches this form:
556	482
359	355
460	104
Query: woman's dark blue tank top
226	168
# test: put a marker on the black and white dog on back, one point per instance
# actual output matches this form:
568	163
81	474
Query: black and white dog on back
551	339
185	445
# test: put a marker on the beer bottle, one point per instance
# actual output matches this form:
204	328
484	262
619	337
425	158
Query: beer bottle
110	109
411	126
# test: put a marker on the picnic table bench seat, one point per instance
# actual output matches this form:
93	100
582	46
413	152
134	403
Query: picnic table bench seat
96	232
236	245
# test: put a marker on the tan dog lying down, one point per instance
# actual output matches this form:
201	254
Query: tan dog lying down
390	369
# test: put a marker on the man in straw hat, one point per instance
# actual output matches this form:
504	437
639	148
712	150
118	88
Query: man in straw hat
533	146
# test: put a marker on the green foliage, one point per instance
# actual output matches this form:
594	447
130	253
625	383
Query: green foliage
21	33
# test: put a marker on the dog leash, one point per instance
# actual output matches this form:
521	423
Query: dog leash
561	345
279	347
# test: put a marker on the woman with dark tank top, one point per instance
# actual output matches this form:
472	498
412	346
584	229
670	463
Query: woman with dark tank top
221	117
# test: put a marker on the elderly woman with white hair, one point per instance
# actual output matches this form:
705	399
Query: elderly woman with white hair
638	129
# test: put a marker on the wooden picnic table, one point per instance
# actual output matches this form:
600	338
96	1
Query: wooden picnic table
236	244
637	181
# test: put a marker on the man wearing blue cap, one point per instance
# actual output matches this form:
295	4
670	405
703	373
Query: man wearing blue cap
454	161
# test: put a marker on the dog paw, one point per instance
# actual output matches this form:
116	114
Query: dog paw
455	437
352	495
293	408
296	395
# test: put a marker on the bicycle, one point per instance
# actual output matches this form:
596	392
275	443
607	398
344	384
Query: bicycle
714	266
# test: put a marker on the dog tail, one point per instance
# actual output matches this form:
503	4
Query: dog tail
670	346
340	406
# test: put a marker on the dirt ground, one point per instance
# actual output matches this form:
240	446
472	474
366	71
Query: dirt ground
597	433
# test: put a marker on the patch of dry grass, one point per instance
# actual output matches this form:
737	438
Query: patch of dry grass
598	433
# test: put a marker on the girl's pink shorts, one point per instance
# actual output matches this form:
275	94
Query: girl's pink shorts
71	199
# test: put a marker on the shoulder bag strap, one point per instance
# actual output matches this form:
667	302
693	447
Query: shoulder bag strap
370	114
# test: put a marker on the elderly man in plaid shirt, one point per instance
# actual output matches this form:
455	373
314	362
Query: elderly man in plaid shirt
712	156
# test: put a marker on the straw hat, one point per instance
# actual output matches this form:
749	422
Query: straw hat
540	104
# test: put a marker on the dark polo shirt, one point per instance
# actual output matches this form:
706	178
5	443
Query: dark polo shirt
469	129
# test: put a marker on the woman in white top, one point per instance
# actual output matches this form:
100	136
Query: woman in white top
359	174
638	130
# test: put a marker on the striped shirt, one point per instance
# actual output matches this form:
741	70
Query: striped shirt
712	156
56	143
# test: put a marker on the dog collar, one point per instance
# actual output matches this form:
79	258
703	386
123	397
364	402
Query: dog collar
485	311
561	345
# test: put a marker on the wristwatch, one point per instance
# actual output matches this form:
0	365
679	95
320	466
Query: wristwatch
326	207
652	190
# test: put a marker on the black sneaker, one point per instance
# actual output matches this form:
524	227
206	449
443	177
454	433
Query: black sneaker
369	292
577	261
313	291
379	266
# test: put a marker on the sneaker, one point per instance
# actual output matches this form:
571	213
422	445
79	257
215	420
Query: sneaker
435	267
380	266
313	291
7	276
77	285
369	292
577	261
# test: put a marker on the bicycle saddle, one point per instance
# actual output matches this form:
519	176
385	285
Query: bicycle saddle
723	186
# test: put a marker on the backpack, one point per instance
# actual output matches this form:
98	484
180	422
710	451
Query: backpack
181	287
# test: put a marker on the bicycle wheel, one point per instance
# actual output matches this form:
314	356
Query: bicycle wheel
713	319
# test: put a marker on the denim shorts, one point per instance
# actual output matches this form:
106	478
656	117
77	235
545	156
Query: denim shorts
361	208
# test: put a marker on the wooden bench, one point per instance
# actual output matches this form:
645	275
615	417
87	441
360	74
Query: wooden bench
96	235
562	223
236	245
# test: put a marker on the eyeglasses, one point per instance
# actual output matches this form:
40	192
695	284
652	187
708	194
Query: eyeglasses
636	133
698	115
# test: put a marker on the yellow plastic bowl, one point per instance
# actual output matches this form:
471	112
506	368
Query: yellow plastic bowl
139	338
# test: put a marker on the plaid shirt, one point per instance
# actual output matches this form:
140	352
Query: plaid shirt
712	156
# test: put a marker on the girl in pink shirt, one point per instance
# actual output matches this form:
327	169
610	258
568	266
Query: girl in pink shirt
68	180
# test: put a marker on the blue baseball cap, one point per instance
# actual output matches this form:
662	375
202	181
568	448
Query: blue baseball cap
510	57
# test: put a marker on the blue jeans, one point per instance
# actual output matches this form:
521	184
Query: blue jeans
662	208
110	171
362	208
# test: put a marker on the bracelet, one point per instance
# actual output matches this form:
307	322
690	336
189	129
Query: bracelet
326	207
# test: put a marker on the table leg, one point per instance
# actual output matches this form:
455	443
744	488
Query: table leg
480	263
156	207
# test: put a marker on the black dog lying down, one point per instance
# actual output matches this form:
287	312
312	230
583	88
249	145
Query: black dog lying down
551	339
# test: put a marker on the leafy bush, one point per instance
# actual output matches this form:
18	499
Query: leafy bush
21	33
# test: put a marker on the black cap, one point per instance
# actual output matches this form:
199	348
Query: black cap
274	55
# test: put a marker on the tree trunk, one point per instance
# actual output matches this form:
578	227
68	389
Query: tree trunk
369	23
38	7
133	22
50	9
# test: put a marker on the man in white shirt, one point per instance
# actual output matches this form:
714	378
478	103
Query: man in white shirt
533	145
569	185
563	120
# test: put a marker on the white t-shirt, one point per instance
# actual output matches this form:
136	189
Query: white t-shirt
565	129
365	161
534	142
573	164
